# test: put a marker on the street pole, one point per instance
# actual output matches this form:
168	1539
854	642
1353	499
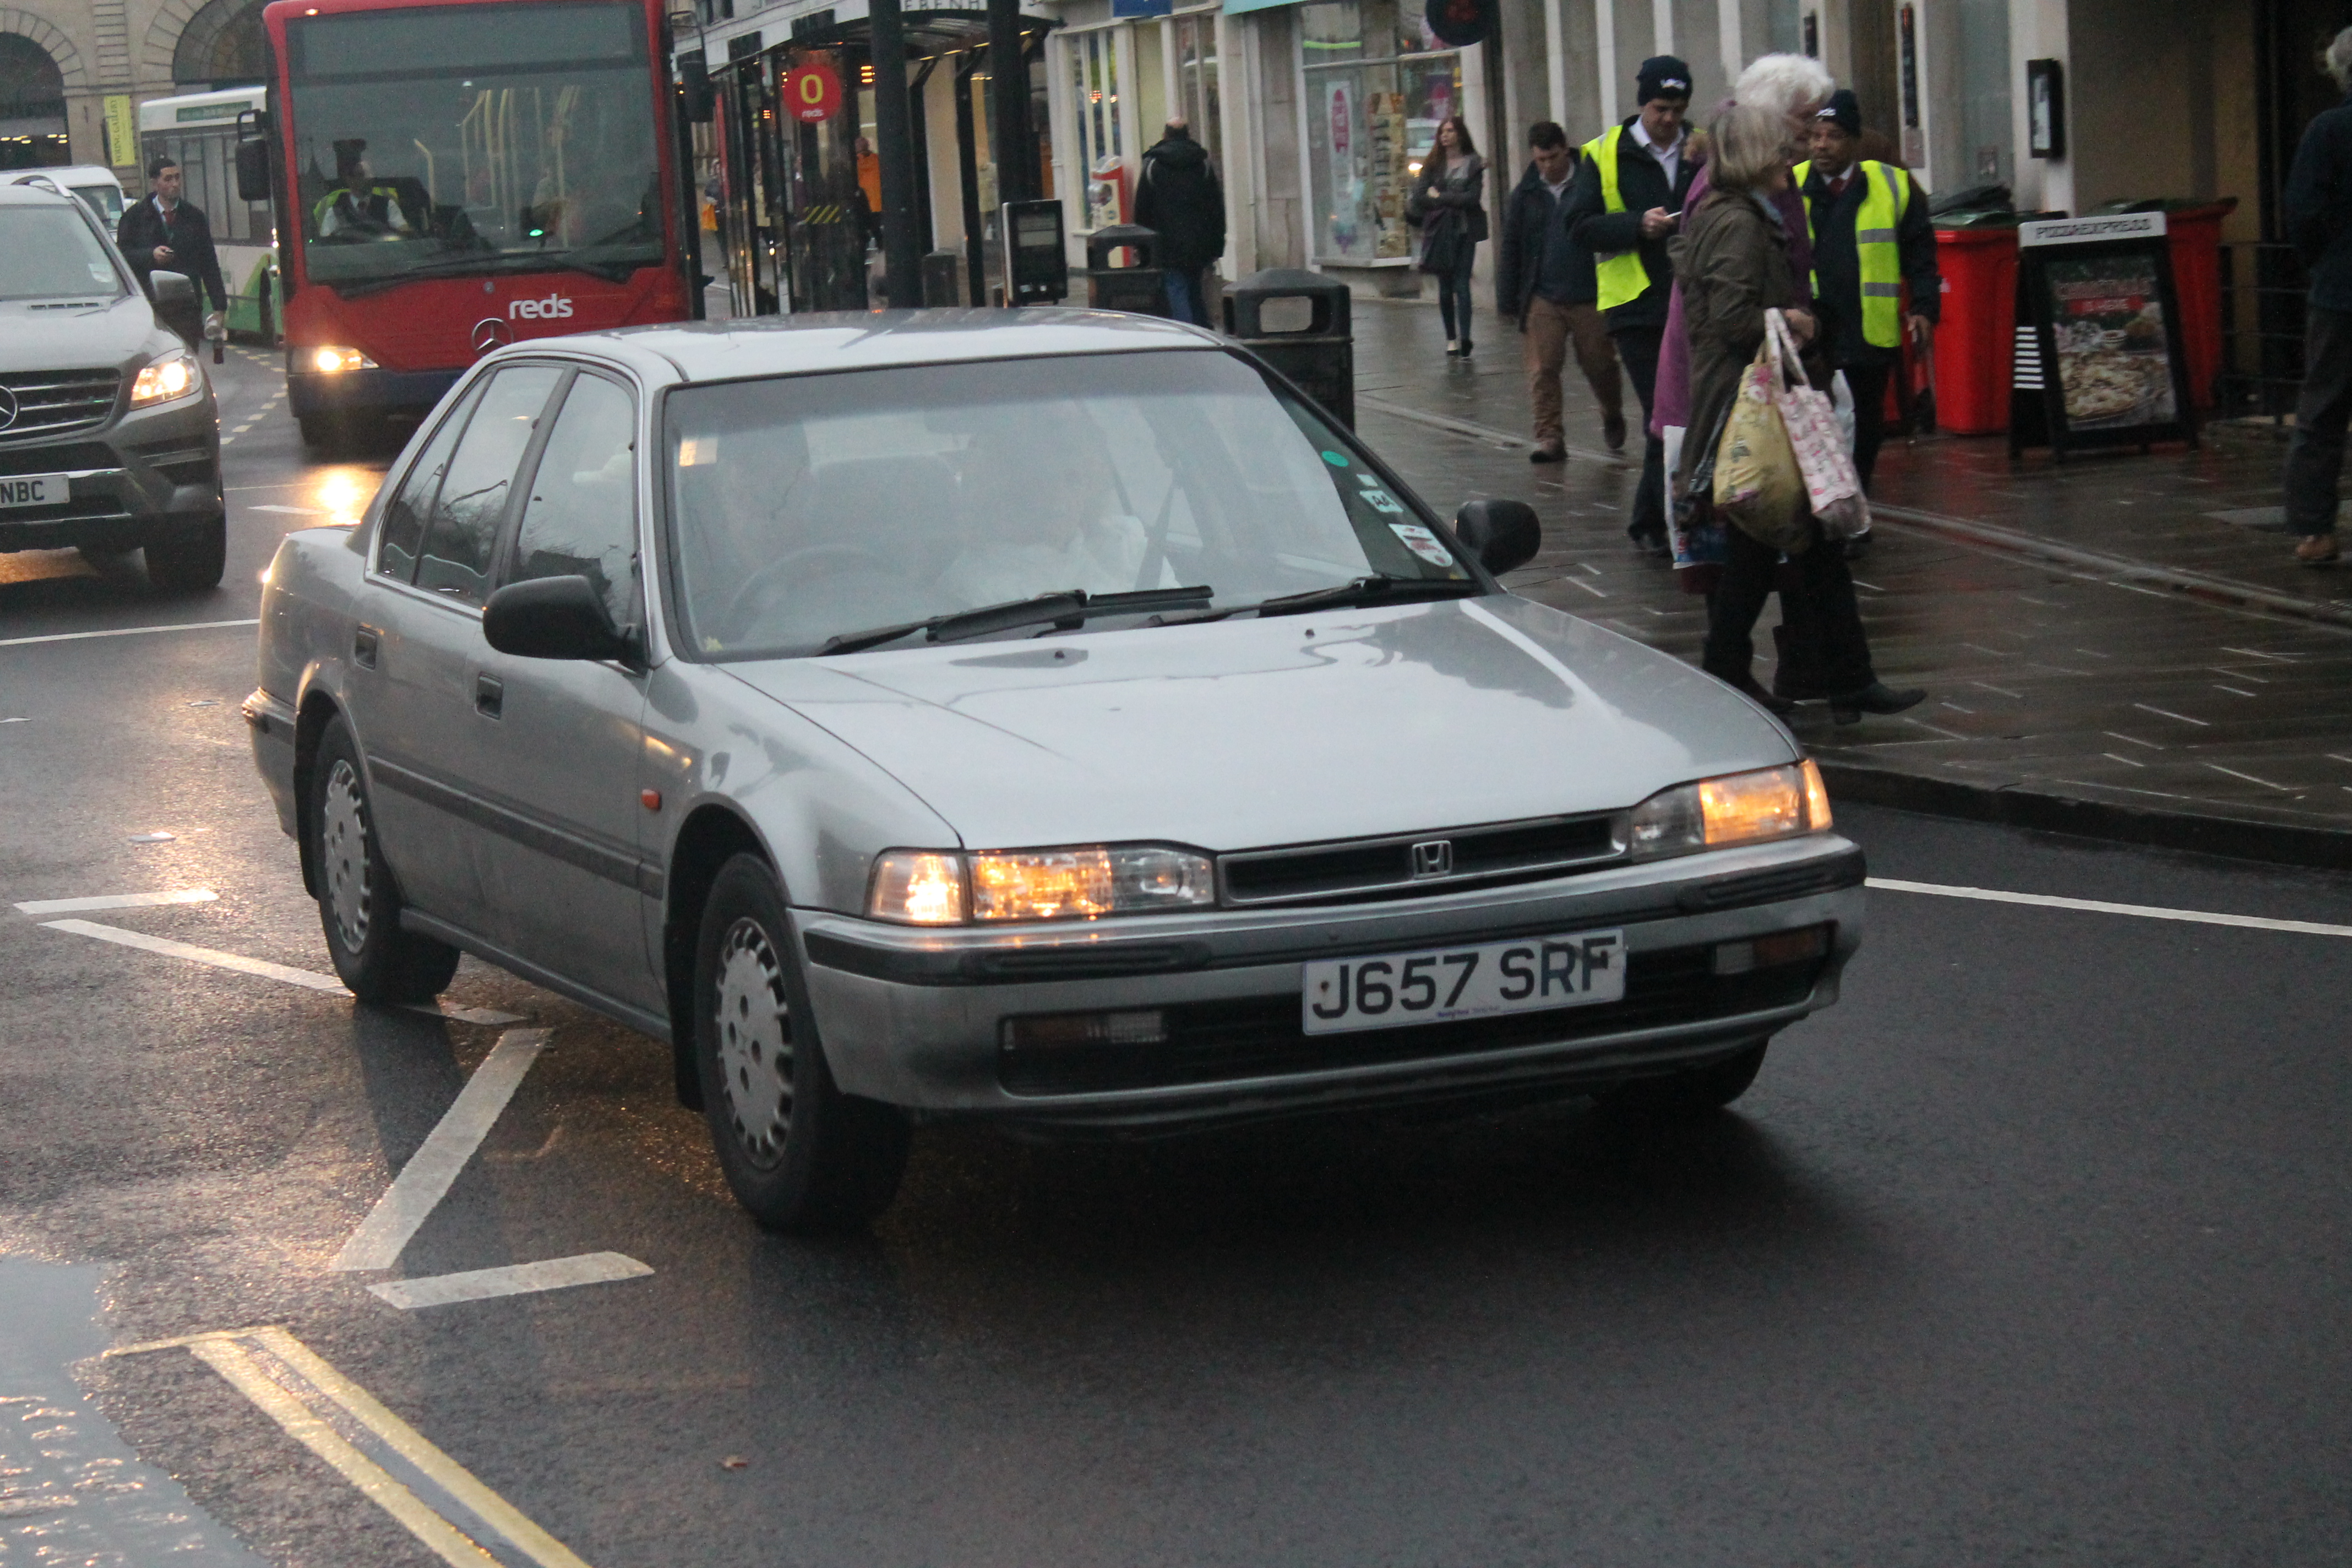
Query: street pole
894	148
1008	103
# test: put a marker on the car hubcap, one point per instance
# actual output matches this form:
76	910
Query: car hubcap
755	1050
342	846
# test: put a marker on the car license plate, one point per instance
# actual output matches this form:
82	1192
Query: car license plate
35	489
1447	984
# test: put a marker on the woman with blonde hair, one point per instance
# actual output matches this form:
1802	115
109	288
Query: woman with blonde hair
1732	264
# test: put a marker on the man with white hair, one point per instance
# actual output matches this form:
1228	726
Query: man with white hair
2319	221
1797	86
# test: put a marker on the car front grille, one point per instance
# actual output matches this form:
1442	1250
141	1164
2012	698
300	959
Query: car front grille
1259	1037
1375	867
59	402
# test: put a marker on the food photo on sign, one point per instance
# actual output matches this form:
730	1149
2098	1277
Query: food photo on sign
2114	364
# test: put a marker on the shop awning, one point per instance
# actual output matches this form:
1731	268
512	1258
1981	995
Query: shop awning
1235	7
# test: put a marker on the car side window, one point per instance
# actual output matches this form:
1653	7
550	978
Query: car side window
405	514
582	517
462	533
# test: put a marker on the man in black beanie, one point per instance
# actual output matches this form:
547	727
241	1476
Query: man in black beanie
1625	205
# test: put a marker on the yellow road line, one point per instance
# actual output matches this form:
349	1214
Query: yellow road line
226	1351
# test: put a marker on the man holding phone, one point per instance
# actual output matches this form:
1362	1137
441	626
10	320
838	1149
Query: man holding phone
1625	205
165	234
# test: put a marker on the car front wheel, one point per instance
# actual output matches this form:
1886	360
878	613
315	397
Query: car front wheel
801	1155
359	903
1697	1092
190	565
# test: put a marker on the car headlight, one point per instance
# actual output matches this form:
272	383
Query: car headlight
333	359
1738	808
171	375
933	887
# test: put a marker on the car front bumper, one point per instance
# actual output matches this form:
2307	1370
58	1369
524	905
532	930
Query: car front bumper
150	476
916	1017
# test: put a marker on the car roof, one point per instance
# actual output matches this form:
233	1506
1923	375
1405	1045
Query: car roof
67	174
17	195
869	340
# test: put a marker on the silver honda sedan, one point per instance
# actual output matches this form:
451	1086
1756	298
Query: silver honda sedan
1043	716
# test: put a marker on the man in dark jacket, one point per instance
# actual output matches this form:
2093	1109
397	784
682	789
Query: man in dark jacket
1543	281
1869	224
2319	222
165	234
1623	207
1179	198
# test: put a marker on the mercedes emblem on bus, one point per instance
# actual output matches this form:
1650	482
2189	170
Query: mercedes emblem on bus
7	408
490	333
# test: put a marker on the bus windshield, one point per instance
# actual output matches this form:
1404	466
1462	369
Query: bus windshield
465	140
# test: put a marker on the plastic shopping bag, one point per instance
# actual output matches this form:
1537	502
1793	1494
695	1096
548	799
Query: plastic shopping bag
1842	399
1758	487
1824	456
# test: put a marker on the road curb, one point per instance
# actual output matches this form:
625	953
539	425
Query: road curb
2283	844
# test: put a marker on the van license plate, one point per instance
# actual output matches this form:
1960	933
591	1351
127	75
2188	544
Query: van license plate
1441	985
35	489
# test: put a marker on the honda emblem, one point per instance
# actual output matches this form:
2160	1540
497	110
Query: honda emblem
1434	859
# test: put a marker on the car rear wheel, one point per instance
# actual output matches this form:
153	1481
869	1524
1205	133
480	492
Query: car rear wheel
801	1155
191	563
359	903
1697	1092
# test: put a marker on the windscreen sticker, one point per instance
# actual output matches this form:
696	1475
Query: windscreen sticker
1423	543
1336	460
1379	499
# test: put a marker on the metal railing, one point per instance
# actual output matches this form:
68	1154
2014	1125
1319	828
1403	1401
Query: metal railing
2263	289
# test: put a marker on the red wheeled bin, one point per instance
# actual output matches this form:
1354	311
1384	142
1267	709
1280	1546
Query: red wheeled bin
1978	331
2193	235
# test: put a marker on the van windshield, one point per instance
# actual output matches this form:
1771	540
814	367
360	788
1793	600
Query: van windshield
51	253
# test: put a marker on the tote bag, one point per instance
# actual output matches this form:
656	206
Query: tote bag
1824	456
1757	487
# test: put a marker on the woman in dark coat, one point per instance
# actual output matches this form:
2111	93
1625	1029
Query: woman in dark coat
1448	200
1732	261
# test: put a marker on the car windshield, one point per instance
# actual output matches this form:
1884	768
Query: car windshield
813	507
51	253
439	141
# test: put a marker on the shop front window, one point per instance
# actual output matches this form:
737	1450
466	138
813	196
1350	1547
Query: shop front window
1377	86
1094	102
1196	80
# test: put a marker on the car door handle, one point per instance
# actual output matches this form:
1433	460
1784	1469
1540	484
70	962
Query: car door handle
365	641
489	696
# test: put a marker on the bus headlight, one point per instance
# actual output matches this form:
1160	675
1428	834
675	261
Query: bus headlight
333	359
172	376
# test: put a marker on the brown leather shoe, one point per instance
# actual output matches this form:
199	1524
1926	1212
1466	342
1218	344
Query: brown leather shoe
2317	549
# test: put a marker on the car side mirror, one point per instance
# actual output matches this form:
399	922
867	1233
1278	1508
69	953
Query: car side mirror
176	305
555	618
1502	534
253	170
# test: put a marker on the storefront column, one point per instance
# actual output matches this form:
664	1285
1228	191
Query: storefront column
1605	38
1556	62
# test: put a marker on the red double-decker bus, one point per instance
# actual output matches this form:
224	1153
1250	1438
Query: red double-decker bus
453	175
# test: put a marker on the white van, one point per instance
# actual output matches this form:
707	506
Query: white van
98	188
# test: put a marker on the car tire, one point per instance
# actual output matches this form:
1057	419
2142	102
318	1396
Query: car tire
801	1155
325	435
188	565
1685	1096
359	900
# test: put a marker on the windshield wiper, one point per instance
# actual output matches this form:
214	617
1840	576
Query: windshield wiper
1072	608
1369	591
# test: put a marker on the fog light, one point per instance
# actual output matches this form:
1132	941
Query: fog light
1073	1031
1765	952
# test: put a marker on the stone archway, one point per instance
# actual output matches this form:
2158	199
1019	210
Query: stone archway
211	43
32	105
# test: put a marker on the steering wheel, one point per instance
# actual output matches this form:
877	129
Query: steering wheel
847	557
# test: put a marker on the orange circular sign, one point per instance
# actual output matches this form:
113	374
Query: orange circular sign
812	93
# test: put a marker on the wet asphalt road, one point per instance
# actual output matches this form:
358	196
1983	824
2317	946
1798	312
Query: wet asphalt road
2030	1251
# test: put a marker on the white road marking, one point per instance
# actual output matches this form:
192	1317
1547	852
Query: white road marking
309	979
156	838
2100	907
425	1180
2169	714
296	510
116	902
483	1284
127	632
295	1387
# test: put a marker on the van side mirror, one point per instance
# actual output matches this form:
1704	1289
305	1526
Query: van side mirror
695	94
553	618
253	170
1503	534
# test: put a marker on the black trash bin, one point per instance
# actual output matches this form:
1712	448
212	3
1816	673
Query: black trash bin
1135	287
942	279
1299	323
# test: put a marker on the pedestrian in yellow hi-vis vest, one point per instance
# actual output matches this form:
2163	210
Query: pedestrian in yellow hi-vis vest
1869	226
1623	207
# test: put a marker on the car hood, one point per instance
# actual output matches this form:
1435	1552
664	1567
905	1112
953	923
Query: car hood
35	334
1239	735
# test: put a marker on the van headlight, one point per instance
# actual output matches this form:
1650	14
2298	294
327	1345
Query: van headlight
1738	808
937	887
171	375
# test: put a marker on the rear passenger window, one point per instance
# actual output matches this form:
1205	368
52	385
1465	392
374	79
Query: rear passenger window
581	518
463	531
404	515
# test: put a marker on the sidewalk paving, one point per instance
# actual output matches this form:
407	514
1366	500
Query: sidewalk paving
2115	645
